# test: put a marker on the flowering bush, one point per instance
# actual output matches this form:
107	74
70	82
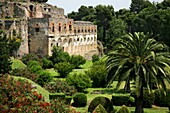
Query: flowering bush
25	73
17	96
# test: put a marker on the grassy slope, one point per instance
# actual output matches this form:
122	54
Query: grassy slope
17	64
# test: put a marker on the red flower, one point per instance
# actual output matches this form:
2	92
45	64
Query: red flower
40	97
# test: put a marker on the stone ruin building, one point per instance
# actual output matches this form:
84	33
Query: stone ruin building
42	26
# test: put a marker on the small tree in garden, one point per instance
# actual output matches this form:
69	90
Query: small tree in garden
63	68
58	55
79	81
29	57
98	73
77	60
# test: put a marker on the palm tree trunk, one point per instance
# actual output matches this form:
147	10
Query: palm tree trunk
127	87
139	102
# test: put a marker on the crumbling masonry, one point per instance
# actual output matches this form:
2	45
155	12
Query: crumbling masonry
42	26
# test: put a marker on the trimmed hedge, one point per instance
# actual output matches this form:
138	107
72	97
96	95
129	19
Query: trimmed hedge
104	101
80	100
99	109
122	99
53	96
123	109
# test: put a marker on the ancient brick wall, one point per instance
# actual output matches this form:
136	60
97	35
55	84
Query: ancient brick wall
38	35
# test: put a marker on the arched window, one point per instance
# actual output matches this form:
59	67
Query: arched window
59	27
70	26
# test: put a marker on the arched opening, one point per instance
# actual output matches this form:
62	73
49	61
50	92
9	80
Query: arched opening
53	29
70	26
31	7
59	27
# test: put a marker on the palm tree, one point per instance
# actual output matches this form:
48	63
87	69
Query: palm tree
140	54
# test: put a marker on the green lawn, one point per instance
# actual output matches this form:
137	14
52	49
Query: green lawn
87	65
17	64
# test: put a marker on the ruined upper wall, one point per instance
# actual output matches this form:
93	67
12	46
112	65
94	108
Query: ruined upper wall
19	8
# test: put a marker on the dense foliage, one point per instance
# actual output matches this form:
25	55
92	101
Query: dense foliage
80	100
123	109
79	81
25	72
142	55
148	98
58	55
122	99
59	86
95	58
5	62
104	101
99	109
47	63
162	98
98	73
44	77
29	57
17	96
63	68
77	60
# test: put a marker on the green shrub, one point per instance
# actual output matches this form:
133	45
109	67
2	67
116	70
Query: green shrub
53	96
47	63
28	57
58	55
25	73
59	86
77	60
79	81
148	98
80	100
98	73
36	69
104	101
123	109
122	99
63	68
99	109
43	78
161	99
33	63
95	58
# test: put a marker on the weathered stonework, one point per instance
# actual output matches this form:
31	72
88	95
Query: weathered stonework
43	26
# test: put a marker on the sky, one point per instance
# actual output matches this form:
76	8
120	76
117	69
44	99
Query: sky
74	5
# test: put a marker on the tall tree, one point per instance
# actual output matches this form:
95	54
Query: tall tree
138	5
143	55
104	14
5	62
117	28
